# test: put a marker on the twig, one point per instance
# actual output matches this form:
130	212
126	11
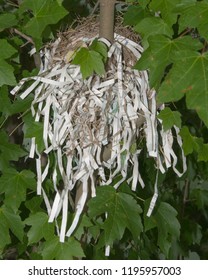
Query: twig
95	8
205	47
186	31
10	134
1	125
185	196
29	39
36	56
13	4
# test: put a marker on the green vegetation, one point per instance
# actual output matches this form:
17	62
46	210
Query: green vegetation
174	35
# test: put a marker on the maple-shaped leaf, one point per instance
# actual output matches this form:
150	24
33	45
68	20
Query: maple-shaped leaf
83	224
192	143
40	228
160	54
45	12
33	129
199	194
165	220
8	151
89	61
14	185
100	48
166	9
170	118
188	76
201	149
135	14
152	26
193	235
195	16
7	20
122	212
6	70
5	103
21	105
6	50
69	250
6	74
34	204
142	3
188	141
9	221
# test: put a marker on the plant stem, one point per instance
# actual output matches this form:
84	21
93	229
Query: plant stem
107	19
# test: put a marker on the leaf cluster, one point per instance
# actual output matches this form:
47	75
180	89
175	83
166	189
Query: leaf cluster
92	59
174	37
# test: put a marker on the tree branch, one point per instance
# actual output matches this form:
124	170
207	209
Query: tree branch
36	56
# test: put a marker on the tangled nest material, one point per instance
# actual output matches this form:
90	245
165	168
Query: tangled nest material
92	125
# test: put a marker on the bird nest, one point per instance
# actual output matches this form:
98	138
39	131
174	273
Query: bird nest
88	29
92	125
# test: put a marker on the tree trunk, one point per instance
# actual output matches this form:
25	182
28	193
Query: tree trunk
106	30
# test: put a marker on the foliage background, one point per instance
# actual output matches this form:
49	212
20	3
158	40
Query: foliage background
174	36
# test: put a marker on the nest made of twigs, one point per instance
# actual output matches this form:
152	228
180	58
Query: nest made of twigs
84	30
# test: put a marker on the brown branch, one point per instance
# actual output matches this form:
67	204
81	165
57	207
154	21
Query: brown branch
36	56
29	39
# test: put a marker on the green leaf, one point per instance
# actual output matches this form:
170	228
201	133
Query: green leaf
5	103
14	184
166	222
188	141
201	149
192	232
89	61
10	221
6	74
33	129
122	212
7	20
142	3
184	4
170	118
195	16
40	228
160	54
45	12
54	249
166	10
21	105
188	76
152	26
84	223
100	48
34	204
134	15
6	50
192	143
4	229
200	195
8	151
